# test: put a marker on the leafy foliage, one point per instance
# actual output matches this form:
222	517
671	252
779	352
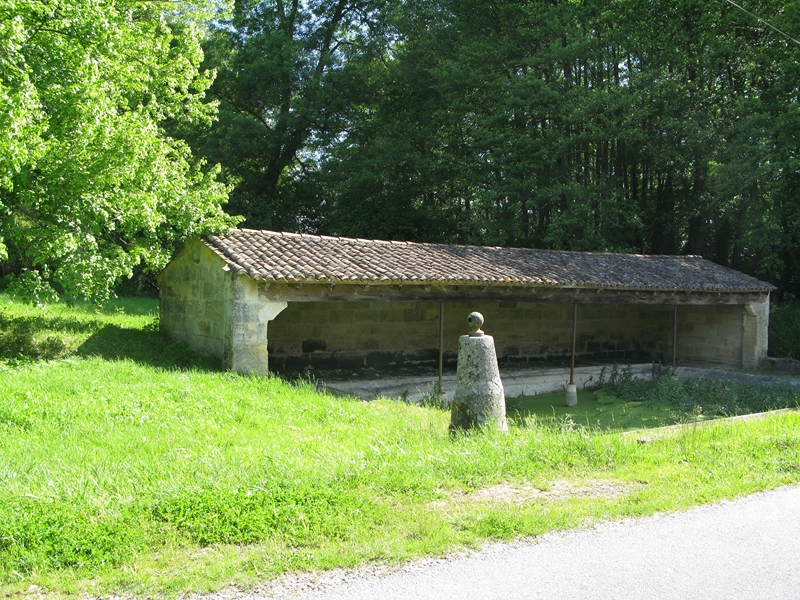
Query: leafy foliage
90	184
643	126
588	126
784	330
289	81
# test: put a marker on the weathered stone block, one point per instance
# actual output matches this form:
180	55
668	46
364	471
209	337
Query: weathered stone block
365	316
245	313
249	333
204	327
412	315
391	316
341	316
314	317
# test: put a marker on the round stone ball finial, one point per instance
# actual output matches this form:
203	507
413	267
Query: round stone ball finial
475	320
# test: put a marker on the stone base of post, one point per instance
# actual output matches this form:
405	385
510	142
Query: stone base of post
572	395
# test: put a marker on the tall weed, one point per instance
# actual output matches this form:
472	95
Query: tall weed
706	397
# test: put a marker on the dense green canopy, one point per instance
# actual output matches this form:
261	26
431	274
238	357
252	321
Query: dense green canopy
647	126
90	184
633	125
291	79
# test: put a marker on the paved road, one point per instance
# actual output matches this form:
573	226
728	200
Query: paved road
747	549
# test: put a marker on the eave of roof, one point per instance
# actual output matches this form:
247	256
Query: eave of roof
305	258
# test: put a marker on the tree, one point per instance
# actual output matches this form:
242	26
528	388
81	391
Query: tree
90	184
289	81
642	125
493	123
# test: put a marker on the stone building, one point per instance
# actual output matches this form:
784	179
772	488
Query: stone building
259	299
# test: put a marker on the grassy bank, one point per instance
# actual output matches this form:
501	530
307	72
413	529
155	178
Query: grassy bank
144	469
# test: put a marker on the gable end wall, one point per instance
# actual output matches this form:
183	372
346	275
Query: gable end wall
196	300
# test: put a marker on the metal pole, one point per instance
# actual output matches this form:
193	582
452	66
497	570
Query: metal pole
574	341
674	336
441	343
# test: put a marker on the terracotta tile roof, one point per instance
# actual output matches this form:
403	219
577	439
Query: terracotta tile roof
298	258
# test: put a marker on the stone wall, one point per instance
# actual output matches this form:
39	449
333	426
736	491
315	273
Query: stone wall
196	299
384	334
710	334
251	327
755	333
252	312
215	311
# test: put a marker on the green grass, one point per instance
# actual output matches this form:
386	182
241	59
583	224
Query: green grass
125	328
144	470
625	403
695	400
595	410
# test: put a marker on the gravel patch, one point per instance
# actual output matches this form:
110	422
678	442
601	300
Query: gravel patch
522	494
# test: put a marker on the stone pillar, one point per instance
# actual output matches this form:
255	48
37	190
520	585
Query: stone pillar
755	326
249	328
479	398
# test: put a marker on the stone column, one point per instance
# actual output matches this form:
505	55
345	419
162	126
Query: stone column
479	398
249	328
755	326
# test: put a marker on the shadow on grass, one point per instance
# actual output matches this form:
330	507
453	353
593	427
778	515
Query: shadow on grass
39	337
46	336
146	347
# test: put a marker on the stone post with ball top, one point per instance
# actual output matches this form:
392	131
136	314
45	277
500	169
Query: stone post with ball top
479	398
